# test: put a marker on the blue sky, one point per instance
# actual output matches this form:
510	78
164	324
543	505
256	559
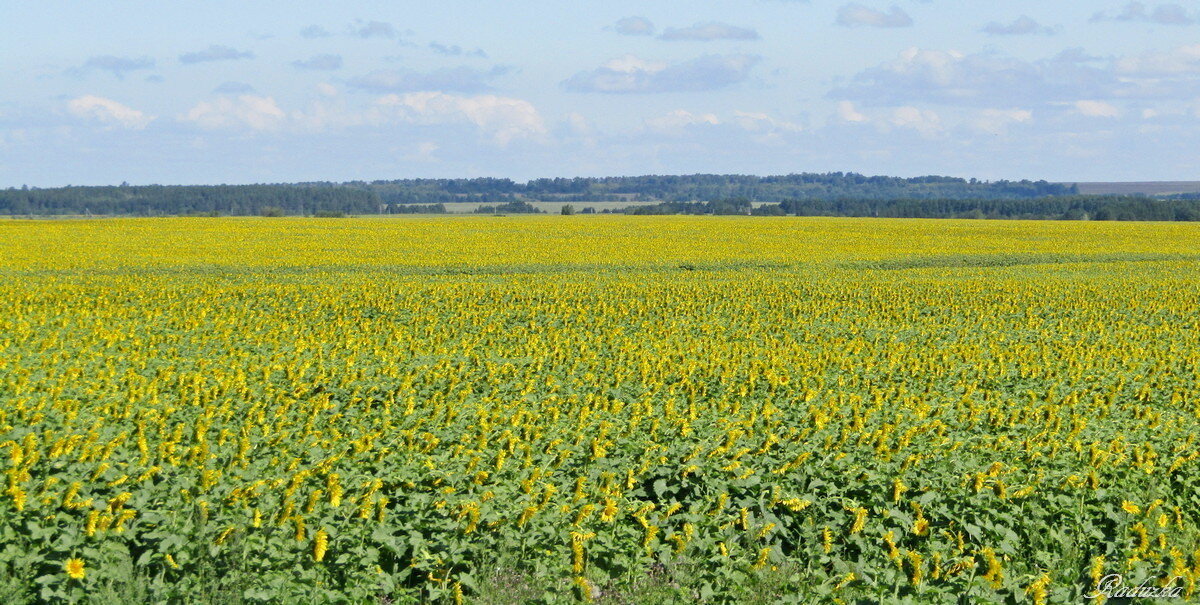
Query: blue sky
237	92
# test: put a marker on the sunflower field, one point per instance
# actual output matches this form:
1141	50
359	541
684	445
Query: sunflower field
598	409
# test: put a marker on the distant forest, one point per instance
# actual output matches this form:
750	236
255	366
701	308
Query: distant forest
1070	207
808	194
166	200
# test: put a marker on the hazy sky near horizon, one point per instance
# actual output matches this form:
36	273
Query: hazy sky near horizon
242	92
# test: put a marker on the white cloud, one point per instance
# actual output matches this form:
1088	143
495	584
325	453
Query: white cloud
423	153
997	121
925	121
711	30
457	79
244	111
372	29
634	26
501	118
578	124
454	50
987	79
847	113
233	88
761	127
674	122
575	128
215	53
108	112
938	66
314	31
327	113
630	74
857	15
326	62
761	122
1180	60
630	64
1096	109
1023	25
1163	14
118	66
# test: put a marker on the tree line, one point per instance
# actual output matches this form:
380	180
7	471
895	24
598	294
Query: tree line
1070	207
694	187
160	200
805	194
363	197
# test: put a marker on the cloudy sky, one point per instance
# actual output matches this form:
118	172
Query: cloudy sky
238	92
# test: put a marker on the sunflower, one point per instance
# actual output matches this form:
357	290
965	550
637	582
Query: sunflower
320	545
74	568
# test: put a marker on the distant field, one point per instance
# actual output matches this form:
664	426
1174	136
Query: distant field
1144	188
